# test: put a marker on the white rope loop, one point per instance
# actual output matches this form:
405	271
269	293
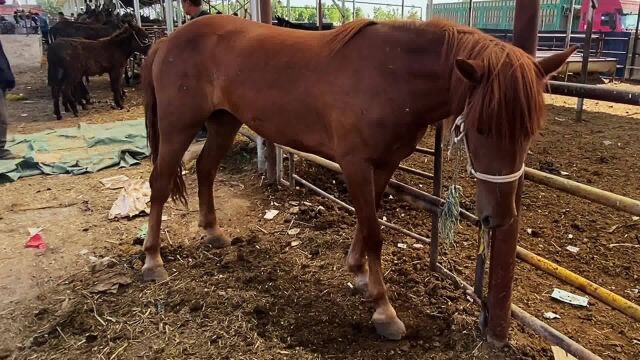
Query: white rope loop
458	134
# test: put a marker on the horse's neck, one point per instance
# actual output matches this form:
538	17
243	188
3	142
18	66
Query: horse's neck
120	45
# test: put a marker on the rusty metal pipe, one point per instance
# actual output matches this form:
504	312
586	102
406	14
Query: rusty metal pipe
415	172
594	92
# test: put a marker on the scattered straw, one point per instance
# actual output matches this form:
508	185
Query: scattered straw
450	215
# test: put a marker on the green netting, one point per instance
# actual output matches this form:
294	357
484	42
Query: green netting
85	148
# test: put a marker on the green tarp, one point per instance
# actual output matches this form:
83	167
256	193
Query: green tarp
86	148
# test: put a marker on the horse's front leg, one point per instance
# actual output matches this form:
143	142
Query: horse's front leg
361	183
115	77
221	132
357	259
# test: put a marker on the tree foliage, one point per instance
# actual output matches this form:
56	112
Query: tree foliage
51	7
333	13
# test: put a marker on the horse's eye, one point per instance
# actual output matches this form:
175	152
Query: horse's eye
482	131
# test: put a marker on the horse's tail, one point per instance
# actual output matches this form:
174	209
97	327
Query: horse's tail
55	72
178	187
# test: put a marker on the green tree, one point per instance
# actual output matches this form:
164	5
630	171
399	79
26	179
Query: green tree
51	7
412	14
308	13
382	13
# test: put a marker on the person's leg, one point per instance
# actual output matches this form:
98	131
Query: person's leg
5	154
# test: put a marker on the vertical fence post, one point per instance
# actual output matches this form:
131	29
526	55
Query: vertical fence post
292	170
586	52
168	14
437	190
635	46
505	241
261	12
567	41
136	10
319	13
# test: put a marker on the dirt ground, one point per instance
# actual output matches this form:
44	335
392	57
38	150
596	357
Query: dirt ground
276	294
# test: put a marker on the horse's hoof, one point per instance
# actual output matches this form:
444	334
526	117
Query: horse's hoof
218	241
84	107
157	274
58	117
390	328
495	343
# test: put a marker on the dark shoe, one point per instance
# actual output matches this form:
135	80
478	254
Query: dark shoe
8	155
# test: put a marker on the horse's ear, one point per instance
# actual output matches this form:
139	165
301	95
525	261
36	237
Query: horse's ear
551	64
471	70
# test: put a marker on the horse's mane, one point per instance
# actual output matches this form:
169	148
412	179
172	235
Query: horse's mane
508	103
341	36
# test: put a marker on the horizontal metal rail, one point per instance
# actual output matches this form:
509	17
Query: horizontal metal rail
425	151
594	92
416	172
351	209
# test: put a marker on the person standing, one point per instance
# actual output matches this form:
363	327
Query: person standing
7	82
44	27
194	9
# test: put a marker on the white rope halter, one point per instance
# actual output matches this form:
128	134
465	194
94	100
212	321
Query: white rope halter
461	137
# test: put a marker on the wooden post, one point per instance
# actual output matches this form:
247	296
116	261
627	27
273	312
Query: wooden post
505	241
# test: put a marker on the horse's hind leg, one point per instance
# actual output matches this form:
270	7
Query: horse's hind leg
222	129
55	95
67	94
163	177
356	259
361	182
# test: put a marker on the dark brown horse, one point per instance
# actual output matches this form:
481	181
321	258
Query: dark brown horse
71	59
371	90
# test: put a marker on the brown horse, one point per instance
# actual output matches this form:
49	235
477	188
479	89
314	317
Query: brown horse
370	91
71	59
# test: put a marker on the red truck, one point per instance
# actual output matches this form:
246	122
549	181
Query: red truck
611	15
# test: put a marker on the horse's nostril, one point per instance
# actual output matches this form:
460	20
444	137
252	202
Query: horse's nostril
486	221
